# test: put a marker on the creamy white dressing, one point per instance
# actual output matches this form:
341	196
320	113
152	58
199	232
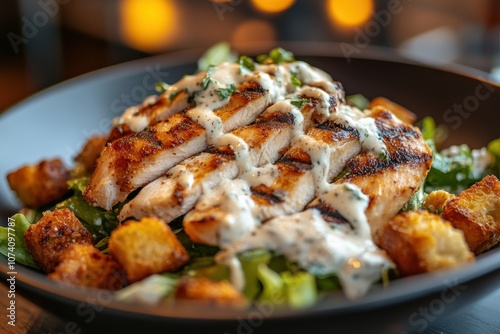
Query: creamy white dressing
314	92
265	175
366	127
319	153
133	119
351	203
233	198
240	149
313	76
306	239
286	107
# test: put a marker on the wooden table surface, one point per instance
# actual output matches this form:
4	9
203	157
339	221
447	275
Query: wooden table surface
481	318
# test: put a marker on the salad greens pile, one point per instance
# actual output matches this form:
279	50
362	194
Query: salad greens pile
456	168
268	277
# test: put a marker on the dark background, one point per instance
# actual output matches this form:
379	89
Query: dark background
44	42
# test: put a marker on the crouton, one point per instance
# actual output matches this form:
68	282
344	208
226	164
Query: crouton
87	159
147	247
203	289
85	265
54	232
420	241
40	184
435	201
476	211
399	111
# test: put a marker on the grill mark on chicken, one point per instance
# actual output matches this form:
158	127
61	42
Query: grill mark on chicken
262	195
155	112
386	183
133	161
389	183
261	136
295	165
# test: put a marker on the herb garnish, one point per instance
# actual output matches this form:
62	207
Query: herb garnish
295	80
161	87
299	103
224	93
207	78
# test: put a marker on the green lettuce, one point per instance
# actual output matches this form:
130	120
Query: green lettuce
294	289
250	262
150	290
215	55
358	100
98	221
12	240
494	149
452	173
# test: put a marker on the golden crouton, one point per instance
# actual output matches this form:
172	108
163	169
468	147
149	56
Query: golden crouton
435	201
84	265
420	241
399	111
54	232
147	247
87	158
203	289
41	184
476	211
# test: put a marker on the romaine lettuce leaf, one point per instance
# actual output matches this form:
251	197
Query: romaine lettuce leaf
250	262
150	290
294	289
494	150
453	172
12	240
99	222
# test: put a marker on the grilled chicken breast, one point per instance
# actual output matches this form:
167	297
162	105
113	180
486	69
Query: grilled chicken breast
293	187
135	160
169	197
388	182
151	111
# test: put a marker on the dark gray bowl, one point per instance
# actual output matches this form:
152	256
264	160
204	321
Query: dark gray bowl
57	121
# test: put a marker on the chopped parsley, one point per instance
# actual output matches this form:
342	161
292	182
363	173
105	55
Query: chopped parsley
384	155
299	103
224	93
161	87
358	195
295	80
207	78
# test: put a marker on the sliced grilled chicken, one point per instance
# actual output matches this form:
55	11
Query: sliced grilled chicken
133	161
151	111
296	183
388	183
171	196
292	189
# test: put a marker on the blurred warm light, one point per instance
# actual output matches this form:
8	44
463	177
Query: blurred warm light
254	32
148	25
349	13
272	6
